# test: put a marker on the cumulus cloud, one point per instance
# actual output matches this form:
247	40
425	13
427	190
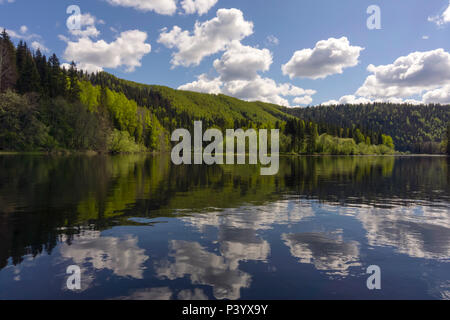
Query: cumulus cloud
441	95
328	57
203	84
258	89
37	45
166	7
305	100
207	38
127	50
264	89
352	99
408	75
348	99
441	19
197	6
21	34
238	77
241	62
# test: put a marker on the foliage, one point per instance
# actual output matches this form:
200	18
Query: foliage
20	128
413	128
122	142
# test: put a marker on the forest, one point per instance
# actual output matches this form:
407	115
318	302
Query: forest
413	128
47	107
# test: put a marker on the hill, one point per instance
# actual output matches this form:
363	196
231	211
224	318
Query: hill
414	128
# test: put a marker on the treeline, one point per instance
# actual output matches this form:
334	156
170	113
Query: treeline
414	128
45	106
310	137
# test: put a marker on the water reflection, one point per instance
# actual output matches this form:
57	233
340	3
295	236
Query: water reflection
204	267
122	256
326	252
418	231
225	232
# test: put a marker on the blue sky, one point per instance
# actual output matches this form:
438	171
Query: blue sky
262	36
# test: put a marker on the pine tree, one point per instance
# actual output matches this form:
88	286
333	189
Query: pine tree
43	70
8	71
29	80
57	77
74	88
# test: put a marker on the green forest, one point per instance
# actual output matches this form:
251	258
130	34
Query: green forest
45	107
413	128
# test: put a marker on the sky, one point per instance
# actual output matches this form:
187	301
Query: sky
291	52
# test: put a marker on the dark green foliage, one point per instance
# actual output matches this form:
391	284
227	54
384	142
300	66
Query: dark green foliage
8	70
448	139
29	79
20	128
418	129
74	127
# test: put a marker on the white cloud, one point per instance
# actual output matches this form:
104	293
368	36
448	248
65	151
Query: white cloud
408	75
241	62
197	6
348	99
6	1
37	45
328	57
21	34
166	7
208	37
127	50
264	89
352	99
303	100
88	21
441	95
258	89
203	84
441	19
272	40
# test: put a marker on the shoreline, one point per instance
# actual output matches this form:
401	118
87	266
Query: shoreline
95	153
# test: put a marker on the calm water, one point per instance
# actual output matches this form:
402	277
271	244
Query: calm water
141	228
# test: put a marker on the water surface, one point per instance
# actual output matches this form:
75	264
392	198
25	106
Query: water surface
142	228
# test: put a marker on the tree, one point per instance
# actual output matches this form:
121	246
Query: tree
74	88
8	71
448	139
29	79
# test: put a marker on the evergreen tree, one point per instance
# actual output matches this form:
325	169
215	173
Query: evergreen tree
29	80
44	71
74	88
57	78
8	71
